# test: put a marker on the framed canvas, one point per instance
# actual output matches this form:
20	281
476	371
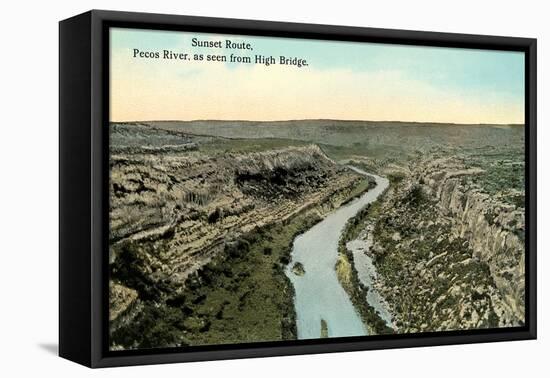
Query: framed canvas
235	188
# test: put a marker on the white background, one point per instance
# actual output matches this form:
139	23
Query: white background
29	187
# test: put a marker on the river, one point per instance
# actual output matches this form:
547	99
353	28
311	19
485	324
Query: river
319	294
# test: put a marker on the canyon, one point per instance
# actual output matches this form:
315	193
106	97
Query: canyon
204	216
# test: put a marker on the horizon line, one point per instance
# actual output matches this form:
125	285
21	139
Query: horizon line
320	119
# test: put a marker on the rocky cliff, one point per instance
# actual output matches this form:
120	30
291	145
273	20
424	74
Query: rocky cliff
494	230
449	255
172	212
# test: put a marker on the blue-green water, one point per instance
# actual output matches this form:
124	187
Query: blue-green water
319	294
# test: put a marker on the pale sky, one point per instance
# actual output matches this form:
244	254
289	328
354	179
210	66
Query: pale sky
343	80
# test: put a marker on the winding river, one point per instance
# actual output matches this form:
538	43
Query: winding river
319	295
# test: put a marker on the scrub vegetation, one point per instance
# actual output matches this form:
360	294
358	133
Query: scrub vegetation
203	215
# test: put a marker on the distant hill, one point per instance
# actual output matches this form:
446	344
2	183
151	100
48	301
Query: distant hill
407	135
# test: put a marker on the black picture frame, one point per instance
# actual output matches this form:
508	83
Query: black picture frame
83	182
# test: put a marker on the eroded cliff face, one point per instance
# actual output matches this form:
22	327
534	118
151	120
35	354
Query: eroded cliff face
171	213
449	255
493	229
